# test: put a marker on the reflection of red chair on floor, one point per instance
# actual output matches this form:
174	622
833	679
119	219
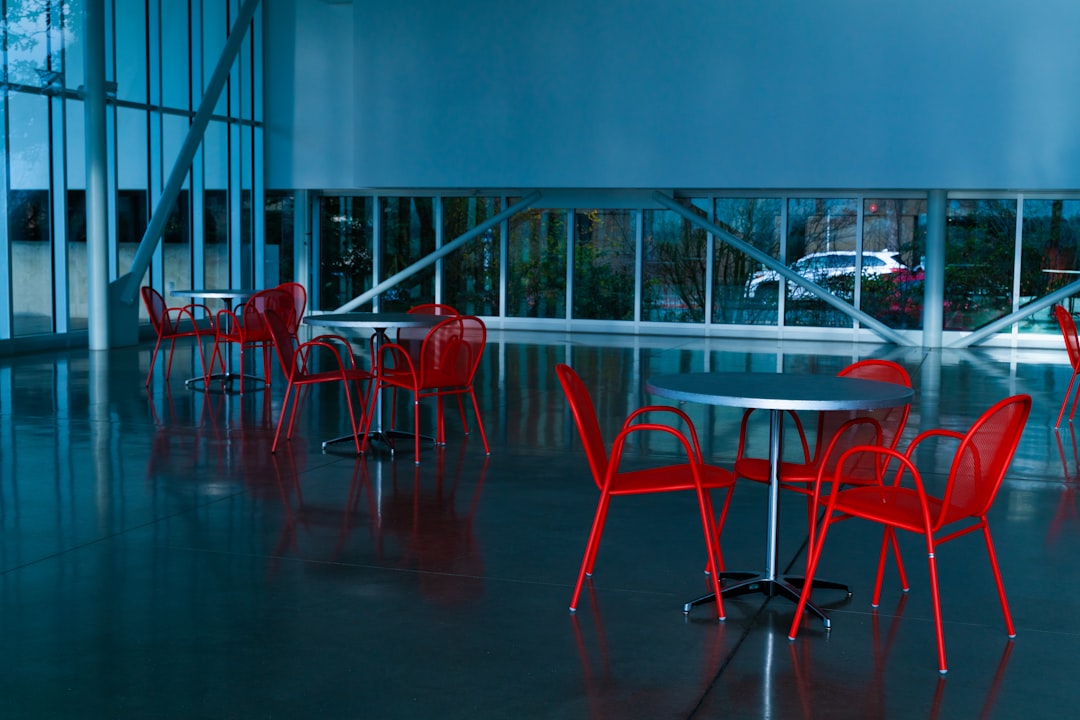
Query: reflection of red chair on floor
173	323
319	529
1070	476
437	537
975	476
643	694
693	475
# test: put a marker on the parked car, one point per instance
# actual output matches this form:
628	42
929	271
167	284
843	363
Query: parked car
817	267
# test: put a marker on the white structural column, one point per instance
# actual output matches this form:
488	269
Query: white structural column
934	269
97	180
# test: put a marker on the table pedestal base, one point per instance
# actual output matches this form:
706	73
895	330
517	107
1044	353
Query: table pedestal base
226	380
384	437
790	588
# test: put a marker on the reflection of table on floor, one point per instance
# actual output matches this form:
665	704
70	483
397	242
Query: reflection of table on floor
776	393
230	297
379	322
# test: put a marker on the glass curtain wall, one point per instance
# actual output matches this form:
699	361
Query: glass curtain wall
605	249
471	275
159	57
536	265
650	266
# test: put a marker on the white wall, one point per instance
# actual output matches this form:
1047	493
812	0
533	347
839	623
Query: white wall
964	94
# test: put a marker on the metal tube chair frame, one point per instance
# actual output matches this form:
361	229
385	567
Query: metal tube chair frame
973	482
167	322
446	366
693	475
298	363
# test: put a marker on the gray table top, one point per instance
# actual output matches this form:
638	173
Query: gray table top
779	391
378	321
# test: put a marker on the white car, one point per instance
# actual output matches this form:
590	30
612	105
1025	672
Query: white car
816	267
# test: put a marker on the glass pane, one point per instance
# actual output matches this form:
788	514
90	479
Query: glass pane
743	292
280	213
215	218
29	215
346	250
31	57
74	53
408	234
894	295
536	285
176	246
471	274
1050	256
174	55
216	237
818	226
76	252
130	40
604	255
673	267
980	245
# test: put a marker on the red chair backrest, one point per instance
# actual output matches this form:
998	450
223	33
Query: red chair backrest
433	309
1068	331
581	405
156	309
299	297
411	337
254	325
284	343
451	352
891	421
983	458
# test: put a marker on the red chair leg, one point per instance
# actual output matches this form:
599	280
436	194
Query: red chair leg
479	422
153	359
811	568
416	427
713	546
1009	627
936	599
1065	400
281	416
590	548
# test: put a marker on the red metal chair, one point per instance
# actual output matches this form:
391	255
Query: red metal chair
168	323
303	365
903	503
693	475
1072	347
246	326
446	365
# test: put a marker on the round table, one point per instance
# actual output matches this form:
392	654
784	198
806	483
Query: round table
777	393
380	322
230	297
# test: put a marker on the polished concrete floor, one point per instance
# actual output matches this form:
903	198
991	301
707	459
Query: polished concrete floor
159	562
